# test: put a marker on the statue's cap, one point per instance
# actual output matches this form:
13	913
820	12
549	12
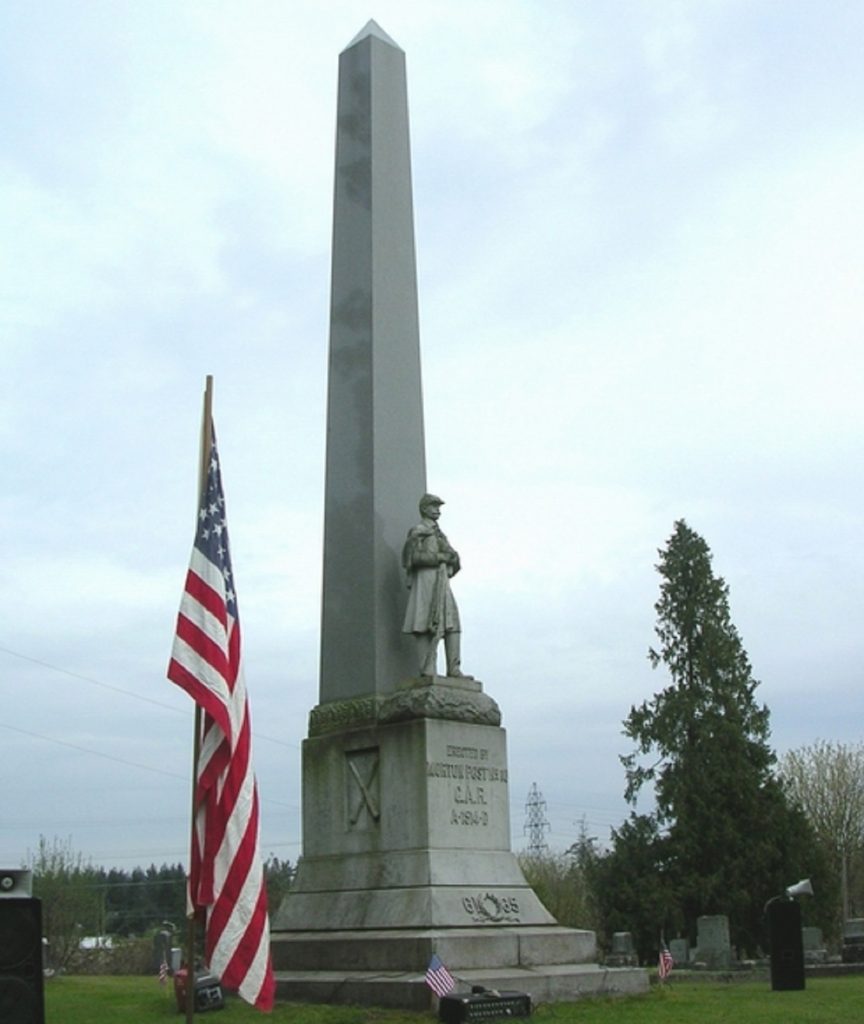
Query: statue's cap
430	499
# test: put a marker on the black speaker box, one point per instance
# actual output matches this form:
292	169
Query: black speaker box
486	1005
22	998
787	945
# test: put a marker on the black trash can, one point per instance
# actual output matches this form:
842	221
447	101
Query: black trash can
787	944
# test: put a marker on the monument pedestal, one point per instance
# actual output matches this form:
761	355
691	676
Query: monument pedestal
407	853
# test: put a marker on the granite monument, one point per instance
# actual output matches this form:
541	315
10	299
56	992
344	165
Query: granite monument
406	825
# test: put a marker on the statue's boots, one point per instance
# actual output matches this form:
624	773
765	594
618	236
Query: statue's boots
452	649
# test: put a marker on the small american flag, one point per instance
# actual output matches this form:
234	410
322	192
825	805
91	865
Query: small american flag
438	978
665	963
163	972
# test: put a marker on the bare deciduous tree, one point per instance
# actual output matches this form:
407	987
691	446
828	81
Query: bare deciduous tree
827	781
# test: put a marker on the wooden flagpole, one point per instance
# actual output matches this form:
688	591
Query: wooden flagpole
206	443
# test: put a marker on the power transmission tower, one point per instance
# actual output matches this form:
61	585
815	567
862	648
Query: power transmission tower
536	825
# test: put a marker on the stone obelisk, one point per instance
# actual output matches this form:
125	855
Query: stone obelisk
376	457
406	824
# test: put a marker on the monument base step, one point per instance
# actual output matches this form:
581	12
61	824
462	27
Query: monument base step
408	990
399	950
386	967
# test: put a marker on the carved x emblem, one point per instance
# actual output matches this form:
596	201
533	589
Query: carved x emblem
367	799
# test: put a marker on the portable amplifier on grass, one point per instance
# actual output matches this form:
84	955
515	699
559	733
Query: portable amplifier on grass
208	991
485	1005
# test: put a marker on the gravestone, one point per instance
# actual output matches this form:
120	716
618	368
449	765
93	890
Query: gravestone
853	941
814	945
714	947
622	952
680	950
406	829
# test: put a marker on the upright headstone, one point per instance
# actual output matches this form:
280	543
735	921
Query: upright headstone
680	950
406	828
853	940
814	945
622	952
715	949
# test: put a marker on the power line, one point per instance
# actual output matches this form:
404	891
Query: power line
118	760
94	753
130	693
95	682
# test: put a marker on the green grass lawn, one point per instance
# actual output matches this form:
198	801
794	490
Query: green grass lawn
89	1000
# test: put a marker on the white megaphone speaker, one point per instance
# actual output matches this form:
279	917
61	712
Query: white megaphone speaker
14	883
802	888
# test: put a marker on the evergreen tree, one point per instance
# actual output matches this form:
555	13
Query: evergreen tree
631	886
731	840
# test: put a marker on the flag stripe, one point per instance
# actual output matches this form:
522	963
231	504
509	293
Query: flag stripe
255	948
206	648
226	875
201	588
213	759
243	836
180	671
231	883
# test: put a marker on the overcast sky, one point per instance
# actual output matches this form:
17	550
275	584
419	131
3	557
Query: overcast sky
640	253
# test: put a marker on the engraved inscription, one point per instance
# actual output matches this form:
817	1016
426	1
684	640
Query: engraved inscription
470	781
467	817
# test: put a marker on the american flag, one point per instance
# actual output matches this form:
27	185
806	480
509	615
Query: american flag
163	972
665	963
226	876
438	978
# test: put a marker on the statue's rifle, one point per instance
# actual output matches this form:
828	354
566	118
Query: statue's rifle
439	602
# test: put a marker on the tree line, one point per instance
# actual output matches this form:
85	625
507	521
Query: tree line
81	900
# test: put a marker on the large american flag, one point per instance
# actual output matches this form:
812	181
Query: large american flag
226	877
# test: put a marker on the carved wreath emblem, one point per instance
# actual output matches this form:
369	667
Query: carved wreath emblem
491	909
